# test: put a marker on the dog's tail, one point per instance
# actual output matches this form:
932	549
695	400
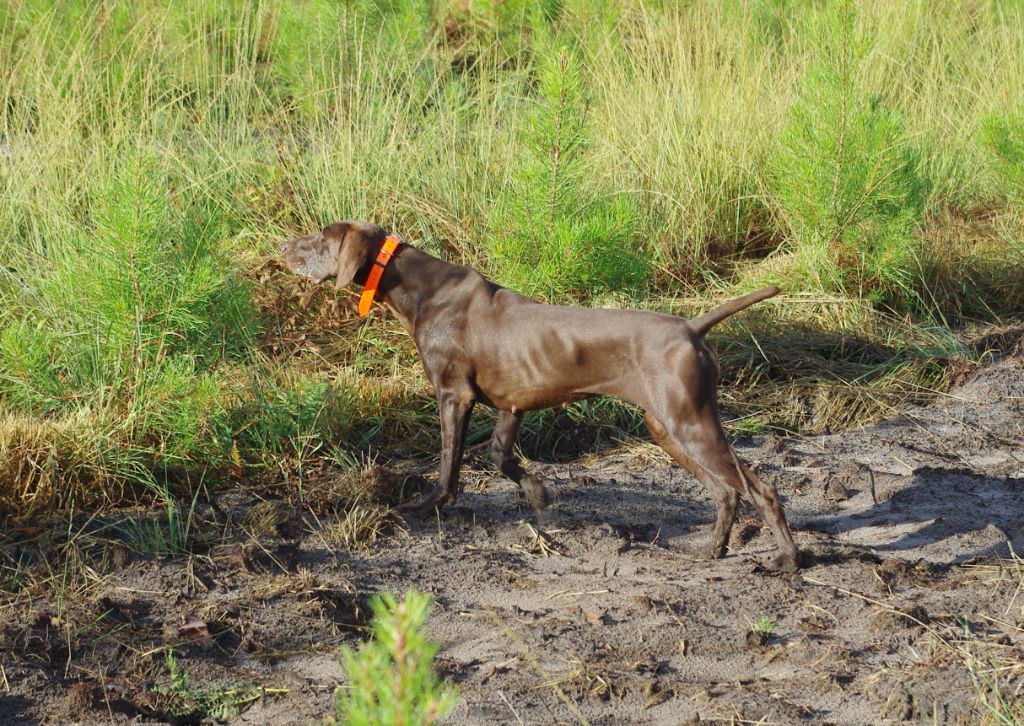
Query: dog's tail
707	321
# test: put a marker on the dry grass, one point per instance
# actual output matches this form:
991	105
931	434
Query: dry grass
333	491
361	526
50	463
988	652
268	518
353	507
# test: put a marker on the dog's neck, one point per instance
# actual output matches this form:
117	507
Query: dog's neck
402	292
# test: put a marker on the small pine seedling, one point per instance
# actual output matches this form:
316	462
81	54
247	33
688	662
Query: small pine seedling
391	679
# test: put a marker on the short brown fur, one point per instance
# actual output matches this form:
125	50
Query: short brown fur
482	343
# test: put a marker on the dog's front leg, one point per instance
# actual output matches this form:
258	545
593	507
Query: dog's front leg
502	443
454	406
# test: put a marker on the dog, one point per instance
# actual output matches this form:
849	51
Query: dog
483	343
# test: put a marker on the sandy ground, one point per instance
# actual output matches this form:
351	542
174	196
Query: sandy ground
608	617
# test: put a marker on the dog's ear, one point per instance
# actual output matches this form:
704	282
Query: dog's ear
353	254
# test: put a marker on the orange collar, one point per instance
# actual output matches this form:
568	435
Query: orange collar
373	279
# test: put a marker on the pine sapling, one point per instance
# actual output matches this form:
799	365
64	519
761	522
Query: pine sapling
391	679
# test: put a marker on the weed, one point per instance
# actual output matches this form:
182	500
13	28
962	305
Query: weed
184	701
764	626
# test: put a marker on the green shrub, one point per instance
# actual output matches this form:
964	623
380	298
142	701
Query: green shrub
391	679
1003	136
555	232
132	320
844	177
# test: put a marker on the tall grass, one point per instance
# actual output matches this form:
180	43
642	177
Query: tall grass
746	125
689	104
152	153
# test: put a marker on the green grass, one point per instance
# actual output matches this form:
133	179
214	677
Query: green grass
763	626
866	156
153	536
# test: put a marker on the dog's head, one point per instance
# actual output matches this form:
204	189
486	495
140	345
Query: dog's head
343	250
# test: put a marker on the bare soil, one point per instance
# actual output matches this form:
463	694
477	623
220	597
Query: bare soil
911	609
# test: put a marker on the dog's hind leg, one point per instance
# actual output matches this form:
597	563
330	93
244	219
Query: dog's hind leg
701	447
726	498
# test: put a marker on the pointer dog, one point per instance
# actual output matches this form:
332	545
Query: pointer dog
482	343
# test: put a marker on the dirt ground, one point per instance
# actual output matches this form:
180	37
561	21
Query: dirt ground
911	610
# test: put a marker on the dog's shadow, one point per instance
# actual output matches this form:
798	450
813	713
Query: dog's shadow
670	510
943	515
16	710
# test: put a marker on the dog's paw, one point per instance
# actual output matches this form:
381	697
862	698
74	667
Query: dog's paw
536	492
788	561
420	508
434	499
712	552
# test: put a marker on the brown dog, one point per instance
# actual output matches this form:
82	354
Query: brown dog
480	342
